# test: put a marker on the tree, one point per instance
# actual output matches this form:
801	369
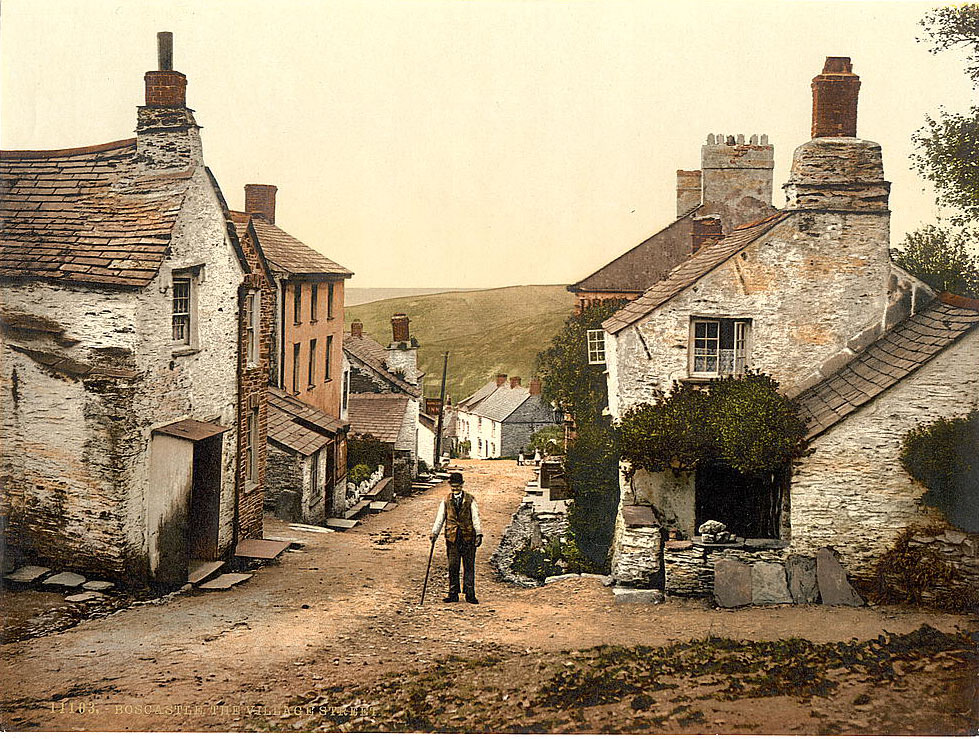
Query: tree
939	256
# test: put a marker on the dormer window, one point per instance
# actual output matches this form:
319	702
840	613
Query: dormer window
720	346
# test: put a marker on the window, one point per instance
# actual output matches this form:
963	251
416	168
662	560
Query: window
314	482
182	293
313	290
720	347
295	368
297	303
328	358
251	311
329	300
311	379
345	394
596	346
251	447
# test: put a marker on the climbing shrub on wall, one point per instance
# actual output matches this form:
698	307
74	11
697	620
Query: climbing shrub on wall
944	457
742	422
366	450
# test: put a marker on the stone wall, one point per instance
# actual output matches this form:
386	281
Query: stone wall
636	555
852	493
958	552
689	565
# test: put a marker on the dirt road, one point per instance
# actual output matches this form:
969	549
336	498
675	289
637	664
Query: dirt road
342	615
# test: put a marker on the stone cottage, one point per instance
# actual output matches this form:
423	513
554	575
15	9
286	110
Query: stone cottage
809	295
135	353
307	365
499	418
377	373
732	187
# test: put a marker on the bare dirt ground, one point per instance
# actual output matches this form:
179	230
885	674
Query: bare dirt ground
332	637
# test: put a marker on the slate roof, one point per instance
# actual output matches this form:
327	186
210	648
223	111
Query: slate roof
467	404
644	264
379	414
502	402
89	216
689	271
895	355
375	356
297	425
287	255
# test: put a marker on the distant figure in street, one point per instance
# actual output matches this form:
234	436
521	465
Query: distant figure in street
537	458
521	460
463	534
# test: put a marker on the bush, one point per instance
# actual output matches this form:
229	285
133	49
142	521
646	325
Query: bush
536	563
593	470
422	467
358	473
944	457
550	440
367	450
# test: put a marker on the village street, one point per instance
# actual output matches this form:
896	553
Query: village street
340	619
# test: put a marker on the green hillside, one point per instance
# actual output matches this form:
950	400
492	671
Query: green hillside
484	331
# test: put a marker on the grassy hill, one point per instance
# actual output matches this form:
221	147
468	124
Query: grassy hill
484	331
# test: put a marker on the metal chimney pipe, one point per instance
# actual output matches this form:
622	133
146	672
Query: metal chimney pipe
164	50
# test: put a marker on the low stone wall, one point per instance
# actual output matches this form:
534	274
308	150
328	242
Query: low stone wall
956	554
522	528
689	566
636	555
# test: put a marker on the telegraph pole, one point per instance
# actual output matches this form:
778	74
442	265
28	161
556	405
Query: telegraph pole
438	428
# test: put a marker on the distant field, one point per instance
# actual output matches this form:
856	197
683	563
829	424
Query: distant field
484	331
360	295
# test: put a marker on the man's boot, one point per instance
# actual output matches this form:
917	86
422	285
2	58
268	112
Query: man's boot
471	597
451	598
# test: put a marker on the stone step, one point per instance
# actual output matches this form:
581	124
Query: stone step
84	597
357	510
64	581
226	581
310	529
27	574
379	506
201	570
98	586
637	595
341	524
260	548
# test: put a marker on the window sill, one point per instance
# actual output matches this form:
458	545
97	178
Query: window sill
250	486
313	321
327	379
183	351
310	387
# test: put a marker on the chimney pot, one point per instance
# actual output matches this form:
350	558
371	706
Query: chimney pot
514	382
500	380
357	329
399	327
260	199
834	99
164	51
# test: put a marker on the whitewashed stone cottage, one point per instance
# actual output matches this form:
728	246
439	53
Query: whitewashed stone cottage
809	295
130	444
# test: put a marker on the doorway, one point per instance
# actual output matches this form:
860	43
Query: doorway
750	506
203	512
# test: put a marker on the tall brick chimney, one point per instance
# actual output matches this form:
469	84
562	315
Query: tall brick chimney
535	386
399	327
167	136
834	99
514	382
260	199
706	230
357	329
500	380
689	190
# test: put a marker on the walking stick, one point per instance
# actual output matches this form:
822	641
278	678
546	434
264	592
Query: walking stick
427	570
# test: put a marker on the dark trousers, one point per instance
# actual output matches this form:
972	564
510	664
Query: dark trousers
461	551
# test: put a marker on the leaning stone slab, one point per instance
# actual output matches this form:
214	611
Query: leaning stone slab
732	583
801	573
834	588
27	574
635	595
98	585
84	597
64	580
768	585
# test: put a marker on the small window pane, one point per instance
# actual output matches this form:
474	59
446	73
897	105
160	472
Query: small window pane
181	309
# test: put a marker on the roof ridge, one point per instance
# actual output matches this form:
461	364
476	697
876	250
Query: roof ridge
48	153
958	301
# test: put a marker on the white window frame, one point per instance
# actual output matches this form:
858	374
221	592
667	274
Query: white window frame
705	345
595	338
185	280
252	309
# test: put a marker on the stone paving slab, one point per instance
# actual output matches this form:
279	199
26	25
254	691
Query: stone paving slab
98	585
636	595
834	587
311	529
27	574
768	584
64	580
225	582
341	524
84	597
200	571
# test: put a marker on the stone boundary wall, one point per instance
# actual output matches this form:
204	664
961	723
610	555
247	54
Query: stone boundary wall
522	527
689	572
956	549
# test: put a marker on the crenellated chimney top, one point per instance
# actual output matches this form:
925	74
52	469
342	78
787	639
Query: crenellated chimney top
260	199
834	99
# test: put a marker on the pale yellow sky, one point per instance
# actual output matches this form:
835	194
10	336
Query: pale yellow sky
473	143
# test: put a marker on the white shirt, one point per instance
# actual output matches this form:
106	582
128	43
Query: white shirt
440	517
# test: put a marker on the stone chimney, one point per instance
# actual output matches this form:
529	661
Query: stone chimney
500	380
689	190
737	178
403	350
535	386
514	383
706	230
167	136
260	200
357	329
837	171
834	99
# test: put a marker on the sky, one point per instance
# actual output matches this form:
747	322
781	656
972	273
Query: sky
474	143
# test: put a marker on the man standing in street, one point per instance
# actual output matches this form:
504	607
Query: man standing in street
463	534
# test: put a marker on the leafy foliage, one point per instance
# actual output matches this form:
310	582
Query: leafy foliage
359	473
938	255
592	466
365	450
550	440
742	422
944	457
